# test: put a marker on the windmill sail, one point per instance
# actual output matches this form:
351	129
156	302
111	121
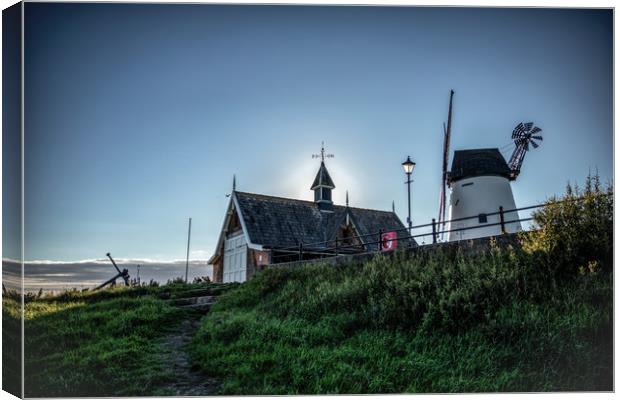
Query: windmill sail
444	176
442	194
523	136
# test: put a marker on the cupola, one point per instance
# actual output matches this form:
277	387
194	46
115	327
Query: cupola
323	185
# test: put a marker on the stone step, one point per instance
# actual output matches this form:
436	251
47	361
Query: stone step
195	293
197	307
186	301
211	290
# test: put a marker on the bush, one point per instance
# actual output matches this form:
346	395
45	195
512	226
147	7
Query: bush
574	234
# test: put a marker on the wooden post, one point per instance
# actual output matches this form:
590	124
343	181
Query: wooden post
434	232
380	245
501	220
301	251
189	235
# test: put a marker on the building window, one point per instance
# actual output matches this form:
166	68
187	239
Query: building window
482	218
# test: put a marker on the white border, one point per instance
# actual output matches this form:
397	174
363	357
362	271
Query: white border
479	3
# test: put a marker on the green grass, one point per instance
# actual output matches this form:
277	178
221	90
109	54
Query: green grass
539	318
536	318
102	343
432	323
11	344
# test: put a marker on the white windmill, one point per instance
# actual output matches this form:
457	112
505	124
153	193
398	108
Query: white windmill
479	180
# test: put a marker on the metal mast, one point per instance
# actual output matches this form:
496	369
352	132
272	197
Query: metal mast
446	153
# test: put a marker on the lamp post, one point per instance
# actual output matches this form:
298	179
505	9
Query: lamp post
408	166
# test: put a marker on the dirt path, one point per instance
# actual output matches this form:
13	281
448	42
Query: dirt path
187	381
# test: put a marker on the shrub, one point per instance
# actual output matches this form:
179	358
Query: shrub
176	280
575	232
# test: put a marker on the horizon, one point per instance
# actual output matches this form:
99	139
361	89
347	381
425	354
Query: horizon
106	261
138	115
85	274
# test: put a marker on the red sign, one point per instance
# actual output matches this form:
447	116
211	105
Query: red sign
389	241
261	258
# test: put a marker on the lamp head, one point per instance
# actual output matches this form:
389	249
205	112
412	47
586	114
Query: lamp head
408	166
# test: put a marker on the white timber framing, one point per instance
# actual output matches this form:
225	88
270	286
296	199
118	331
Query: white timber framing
229	213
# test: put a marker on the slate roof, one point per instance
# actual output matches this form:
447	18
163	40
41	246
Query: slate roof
322	178
278	222
478	162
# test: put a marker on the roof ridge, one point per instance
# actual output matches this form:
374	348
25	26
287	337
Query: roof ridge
371	209
275	197
268	196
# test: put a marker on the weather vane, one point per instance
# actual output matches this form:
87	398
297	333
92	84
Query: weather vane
323	155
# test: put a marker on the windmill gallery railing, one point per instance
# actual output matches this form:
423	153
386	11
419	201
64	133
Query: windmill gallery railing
377	240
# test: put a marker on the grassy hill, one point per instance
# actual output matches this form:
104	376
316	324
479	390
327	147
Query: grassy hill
409	325
103	343
537	318
534	318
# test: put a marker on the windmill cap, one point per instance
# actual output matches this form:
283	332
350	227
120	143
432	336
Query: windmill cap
478	162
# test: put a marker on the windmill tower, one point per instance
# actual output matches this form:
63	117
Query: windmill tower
479	180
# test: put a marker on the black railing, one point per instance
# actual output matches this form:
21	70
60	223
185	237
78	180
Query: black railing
322	249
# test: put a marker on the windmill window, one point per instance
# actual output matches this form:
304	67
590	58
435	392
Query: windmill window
482	218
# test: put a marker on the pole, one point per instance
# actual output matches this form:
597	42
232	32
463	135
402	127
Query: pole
434	232
189	235
409	202
501	220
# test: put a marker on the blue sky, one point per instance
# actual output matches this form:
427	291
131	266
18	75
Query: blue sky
137	116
